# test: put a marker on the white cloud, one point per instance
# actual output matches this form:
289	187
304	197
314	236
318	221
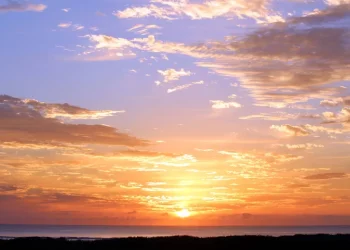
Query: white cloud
78	27
173	74
165	9
185	86
306	146
137	26
218	104
182	87
64	25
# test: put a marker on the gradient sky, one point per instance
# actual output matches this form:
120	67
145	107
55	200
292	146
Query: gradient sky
127	112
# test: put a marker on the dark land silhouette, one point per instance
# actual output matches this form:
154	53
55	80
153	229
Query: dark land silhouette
183	243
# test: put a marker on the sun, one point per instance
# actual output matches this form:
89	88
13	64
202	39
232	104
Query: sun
184	213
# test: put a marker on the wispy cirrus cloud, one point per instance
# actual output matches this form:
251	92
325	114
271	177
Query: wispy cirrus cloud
164	9
280	116
144	29
185	86
305	146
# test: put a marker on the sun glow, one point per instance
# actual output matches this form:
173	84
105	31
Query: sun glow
184	213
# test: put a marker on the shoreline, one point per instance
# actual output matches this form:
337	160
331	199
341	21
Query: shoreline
321	241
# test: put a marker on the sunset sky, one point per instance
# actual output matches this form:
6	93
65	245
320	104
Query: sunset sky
175	112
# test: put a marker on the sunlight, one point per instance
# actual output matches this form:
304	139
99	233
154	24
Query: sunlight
184	213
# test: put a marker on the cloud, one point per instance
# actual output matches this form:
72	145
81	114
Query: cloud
136	26
107	48
185	86
246	216
146	11
75	27
173	74
64	25
24	121
326	176
287	65
257	160
66	9
279	116
145	157
178	88
144	29
277	75
12	5
78	27
150	44
164	9
335	102
291	130
56	110
335	11
322	129
305	146
7	188
342	117
218	104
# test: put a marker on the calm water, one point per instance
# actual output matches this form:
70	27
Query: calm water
128	231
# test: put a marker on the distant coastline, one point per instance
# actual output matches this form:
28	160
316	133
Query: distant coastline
322	241
106	232
94	232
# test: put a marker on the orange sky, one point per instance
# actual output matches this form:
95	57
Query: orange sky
224	112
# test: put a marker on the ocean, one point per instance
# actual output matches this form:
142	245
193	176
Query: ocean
95	232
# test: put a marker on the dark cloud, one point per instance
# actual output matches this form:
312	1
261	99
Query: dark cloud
341	101
7	188
21	123
34	191
326	176
298	185
329	14
13	5
132	212
246	216
57	110
69	198
286	65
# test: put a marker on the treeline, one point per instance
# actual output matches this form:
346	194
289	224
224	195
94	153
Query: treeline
296	242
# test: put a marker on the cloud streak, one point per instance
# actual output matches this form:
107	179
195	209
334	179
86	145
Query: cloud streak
326	176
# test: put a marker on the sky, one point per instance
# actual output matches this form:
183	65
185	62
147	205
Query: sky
175	112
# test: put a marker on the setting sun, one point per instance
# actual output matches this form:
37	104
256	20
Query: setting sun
184	213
